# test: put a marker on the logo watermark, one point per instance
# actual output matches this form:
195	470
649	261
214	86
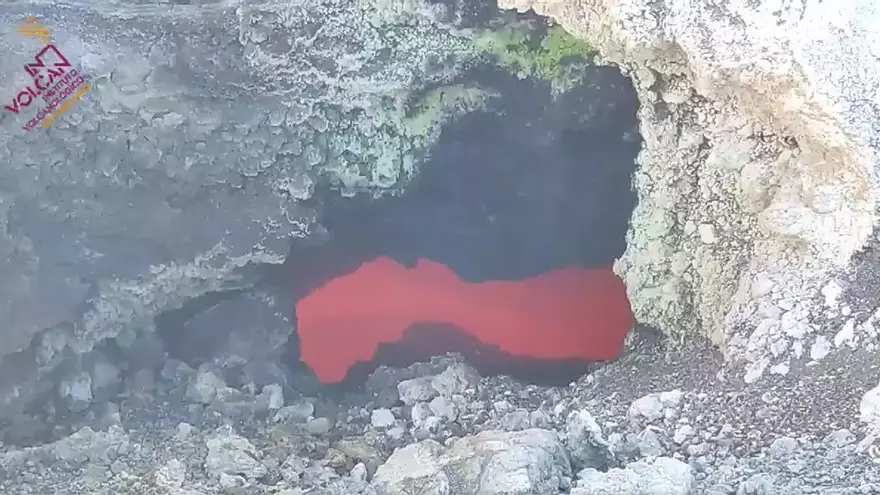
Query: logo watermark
54	80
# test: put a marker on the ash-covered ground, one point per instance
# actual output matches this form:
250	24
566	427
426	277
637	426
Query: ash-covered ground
663	419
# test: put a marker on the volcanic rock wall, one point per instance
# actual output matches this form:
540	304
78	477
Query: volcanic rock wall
184	167
757	182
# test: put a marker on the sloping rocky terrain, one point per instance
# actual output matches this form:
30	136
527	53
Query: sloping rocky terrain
441	428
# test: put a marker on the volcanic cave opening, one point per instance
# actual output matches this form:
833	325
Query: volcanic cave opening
499	248
531	188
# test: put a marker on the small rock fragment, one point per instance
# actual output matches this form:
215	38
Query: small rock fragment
231	454
757	484
783	447
206	387
382	418
298	412
840	438
444	408
77	391
659	476
649	443
682	433
359	472
583	438
423	417
820	348
357	449
515	420
171	475
652	406
274	395
319	426
456	379
523	462
184	430
416	390
293	468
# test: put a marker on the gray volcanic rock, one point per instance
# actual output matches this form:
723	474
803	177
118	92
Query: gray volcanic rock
184	165
528	461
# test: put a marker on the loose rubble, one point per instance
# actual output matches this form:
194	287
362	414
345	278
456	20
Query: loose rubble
440	428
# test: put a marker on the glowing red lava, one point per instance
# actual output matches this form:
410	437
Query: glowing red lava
566	314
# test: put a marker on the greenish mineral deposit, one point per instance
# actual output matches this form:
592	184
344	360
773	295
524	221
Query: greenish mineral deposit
525	51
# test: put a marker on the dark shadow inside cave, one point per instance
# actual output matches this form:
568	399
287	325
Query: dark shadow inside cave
528	185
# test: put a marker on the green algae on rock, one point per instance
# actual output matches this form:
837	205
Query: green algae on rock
525	51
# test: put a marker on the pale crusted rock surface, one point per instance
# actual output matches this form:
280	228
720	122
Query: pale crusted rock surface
757	179
656	476
527	461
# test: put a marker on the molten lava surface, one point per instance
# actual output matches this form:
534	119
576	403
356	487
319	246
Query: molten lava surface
570	313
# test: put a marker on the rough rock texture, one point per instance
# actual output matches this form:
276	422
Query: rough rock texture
184	165
528	461
159	194
617	431
757	181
